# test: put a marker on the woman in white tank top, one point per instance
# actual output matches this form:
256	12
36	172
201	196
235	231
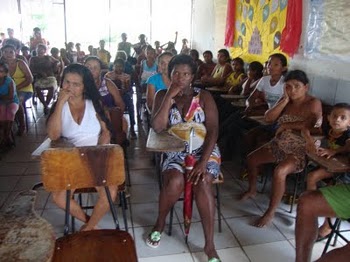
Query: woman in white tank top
79	117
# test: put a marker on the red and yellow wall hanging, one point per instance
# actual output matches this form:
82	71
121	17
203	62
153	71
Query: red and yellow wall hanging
256	29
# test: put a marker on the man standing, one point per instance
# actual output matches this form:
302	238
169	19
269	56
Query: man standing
12	41
125	46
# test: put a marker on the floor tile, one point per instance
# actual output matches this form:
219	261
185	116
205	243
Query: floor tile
168	258
277	252
144	193
8	183
250	235
226	255
222	240
232	207
145	214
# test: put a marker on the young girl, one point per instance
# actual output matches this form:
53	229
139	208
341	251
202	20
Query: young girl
235	80
255	72
8	104
296	113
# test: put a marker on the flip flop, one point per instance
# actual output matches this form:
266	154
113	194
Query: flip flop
320	238
153	239
214	259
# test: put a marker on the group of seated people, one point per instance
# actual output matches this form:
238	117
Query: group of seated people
175	93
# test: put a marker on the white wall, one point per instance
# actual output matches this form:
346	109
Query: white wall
329	80
208	25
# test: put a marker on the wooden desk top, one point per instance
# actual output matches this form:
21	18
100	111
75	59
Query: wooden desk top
163	142
24	235
239	103
337	164
259	119
233	97
217	89
50	144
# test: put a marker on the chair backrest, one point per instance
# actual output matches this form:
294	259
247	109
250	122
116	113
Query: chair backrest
96	245
81	167
116	116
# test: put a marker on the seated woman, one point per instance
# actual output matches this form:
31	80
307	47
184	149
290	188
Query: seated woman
20	73
108	90
8	105
110	94
267	92
123	82
254	74
158	81
235	80
44	68
178	104
78	116
221	71
296	112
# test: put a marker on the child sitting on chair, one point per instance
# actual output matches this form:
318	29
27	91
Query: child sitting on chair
337	141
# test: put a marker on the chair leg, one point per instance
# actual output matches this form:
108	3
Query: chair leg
112	207
218	206
295	191
124	208
171	220
66	222
126	162
334	228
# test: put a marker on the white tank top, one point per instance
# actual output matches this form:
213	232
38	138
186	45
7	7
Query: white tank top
85	134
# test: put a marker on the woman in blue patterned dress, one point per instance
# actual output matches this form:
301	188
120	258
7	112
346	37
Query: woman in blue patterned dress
181	103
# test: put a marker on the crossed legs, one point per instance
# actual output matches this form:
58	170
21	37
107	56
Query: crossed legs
100	209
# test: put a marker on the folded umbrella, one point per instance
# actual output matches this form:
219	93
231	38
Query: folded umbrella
188	194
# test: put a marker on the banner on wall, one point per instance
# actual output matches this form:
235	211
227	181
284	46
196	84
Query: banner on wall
263	27
328	31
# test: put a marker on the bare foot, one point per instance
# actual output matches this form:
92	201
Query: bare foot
247	195
263	221
324	230
85	227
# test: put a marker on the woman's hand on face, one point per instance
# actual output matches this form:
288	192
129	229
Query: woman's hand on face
198	172
64	95
285	95
174	90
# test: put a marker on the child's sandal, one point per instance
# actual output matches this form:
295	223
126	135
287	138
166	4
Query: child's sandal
153	239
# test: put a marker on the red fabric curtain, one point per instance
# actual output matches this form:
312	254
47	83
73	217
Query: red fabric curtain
291	33
230	22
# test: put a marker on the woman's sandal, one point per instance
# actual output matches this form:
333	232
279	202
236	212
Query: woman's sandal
214	259
153	239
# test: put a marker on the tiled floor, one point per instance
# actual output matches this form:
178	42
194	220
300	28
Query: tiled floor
239	241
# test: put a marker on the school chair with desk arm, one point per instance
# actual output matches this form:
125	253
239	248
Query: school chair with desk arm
71	169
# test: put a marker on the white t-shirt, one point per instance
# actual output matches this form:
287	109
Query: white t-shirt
272	93
85	134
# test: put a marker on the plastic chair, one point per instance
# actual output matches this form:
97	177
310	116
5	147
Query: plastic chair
84	167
